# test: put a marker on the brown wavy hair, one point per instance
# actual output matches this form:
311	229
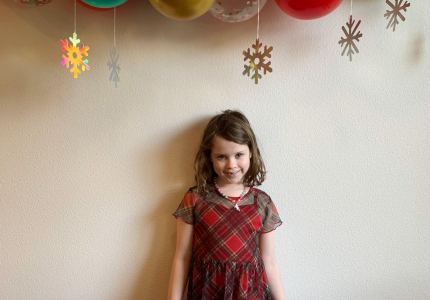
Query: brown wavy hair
233	126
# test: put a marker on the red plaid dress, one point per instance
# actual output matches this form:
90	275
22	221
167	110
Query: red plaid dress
226	262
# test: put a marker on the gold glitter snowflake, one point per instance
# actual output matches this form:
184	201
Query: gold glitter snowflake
257	61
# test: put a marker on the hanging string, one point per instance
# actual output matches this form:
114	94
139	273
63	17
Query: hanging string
351	9
114	21
75	17
258	13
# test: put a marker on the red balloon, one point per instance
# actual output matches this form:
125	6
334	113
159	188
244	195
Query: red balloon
308	9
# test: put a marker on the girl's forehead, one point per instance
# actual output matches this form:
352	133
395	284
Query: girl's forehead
221	144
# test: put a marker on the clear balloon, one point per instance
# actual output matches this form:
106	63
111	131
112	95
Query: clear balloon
308	9
104	3
33	2
236	10
182	9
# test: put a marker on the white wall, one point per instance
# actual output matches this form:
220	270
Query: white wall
90	174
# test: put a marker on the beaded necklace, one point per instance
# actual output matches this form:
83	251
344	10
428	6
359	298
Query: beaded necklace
245	190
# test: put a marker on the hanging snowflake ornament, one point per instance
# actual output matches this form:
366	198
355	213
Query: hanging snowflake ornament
74	55
113	64
395	12
257	61
350	37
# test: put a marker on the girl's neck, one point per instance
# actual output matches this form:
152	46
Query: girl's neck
231	189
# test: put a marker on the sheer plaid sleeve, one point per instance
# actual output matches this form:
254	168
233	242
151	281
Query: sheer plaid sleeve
271	218
186	208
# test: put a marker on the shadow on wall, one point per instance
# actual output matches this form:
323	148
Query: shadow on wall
416	49
169	165
53	20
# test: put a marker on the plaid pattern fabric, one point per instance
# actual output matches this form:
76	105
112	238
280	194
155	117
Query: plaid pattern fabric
227	263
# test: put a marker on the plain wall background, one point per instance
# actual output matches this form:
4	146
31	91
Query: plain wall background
90	174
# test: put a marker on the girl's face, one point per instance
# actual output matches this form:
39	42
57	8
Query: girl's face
230	161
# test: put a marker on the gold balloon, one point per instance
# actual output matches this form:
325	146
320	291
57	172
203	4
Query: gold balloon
182	9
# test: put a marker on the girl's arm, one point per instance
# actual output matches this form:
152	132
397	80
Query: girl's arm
267	249
181	261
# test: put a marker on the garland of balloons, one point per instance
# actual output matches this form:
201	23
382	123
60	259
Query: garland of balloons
225	10
228	11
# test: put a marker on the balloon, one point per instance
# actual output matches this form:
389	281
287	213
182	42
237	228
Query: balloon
104	3
92	7
235	10
33	2
182	9
308	9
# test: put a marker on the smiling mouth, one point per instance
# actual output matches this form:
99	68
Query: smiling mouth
231	173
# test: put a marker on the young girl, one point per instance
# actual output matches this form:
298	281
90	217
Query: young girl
225	244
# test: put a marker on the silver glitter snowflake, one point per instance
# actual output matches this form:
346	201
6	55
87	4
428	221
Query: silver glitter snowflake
396	12
113	64
350	37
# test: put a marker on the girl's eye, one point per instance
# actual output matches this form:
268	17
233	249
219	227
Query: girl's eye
239	154
221	156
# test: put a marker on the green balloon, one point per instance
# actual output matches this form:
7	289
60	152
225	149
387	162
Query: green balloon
104	3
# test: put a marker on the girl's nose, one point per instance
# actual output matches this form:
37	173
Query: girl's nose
231	163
